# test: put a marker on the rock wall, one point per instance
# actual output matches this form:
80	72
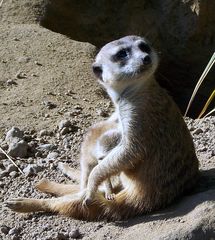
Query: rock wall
181	30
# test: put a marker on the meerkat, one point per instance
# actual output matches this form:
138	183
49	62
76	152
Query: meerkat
155	157
100	139
96	145
104	145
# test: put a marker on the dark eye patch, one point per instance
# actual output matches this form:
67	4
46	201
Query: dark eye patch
121	55
97	70
144	47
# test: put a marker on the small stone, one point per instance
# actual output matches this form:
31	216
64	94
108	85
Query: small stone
38	154
15	237
12	133
14	231
65	130
3	174
49	104
44	132
52	155
34	75
32	169
69	93
47	147
75	233
2	184
37	63
18	149
5	229
11	82
21	75
197	131
62	236
13	174
102	113
11	168
4	147
2	156
64	123
24	59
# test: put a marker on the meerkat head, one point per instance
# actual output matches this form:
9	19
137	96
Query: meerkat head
126	61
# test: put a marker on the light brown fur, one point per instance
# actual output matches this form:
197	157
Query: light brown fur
155	158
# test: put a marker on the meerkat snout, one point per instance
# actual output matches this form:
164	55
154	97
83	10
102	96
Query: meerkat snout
146	60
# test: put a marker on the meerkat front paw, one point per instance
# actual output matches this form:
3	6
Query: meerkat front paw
89	196
110	196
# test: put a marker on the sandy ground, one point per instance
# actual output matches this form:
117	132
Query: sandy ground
45	78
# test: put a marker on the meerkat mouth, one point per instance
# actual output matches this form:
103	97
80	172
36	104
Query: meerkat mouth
143	68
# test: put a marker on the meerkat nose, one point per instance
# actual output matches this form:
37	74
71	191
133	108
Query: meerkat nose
147	60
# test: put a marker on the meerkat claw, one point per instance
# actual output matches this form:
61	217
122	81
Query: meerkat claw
110	197
14	204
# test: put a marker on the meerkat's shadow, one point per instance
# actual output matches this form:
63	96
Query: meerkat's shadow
204	191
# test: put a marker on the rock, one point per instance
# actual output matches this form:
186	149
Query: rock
2	184
14	132
13	174
65	130
38	154
32	169
14	231
38	63
14	237
3	174
45	132
4	146
47	147
174	40
18	149
62	236
64	123
75	233
2	156
24	59
49	105
5	229
102	113
11	168
197	131
66	126
11	82
21	75
52	155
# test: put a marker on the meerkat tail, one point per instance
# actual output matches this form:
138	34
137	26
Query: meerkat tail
122	207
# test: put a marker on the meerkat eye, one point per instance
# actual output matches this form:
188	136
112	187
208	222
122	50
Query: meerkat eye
144	47
121	55
97	70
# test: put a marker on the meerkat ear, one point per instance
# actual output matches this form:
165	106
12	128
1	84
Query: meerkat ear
97	70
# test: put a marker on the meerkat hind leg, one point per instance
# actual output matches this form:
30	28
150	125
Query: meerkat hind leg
56	189
25	205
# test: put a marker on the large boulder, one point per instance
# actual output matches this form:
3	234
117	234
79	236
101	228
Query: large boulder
181	30
47	67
